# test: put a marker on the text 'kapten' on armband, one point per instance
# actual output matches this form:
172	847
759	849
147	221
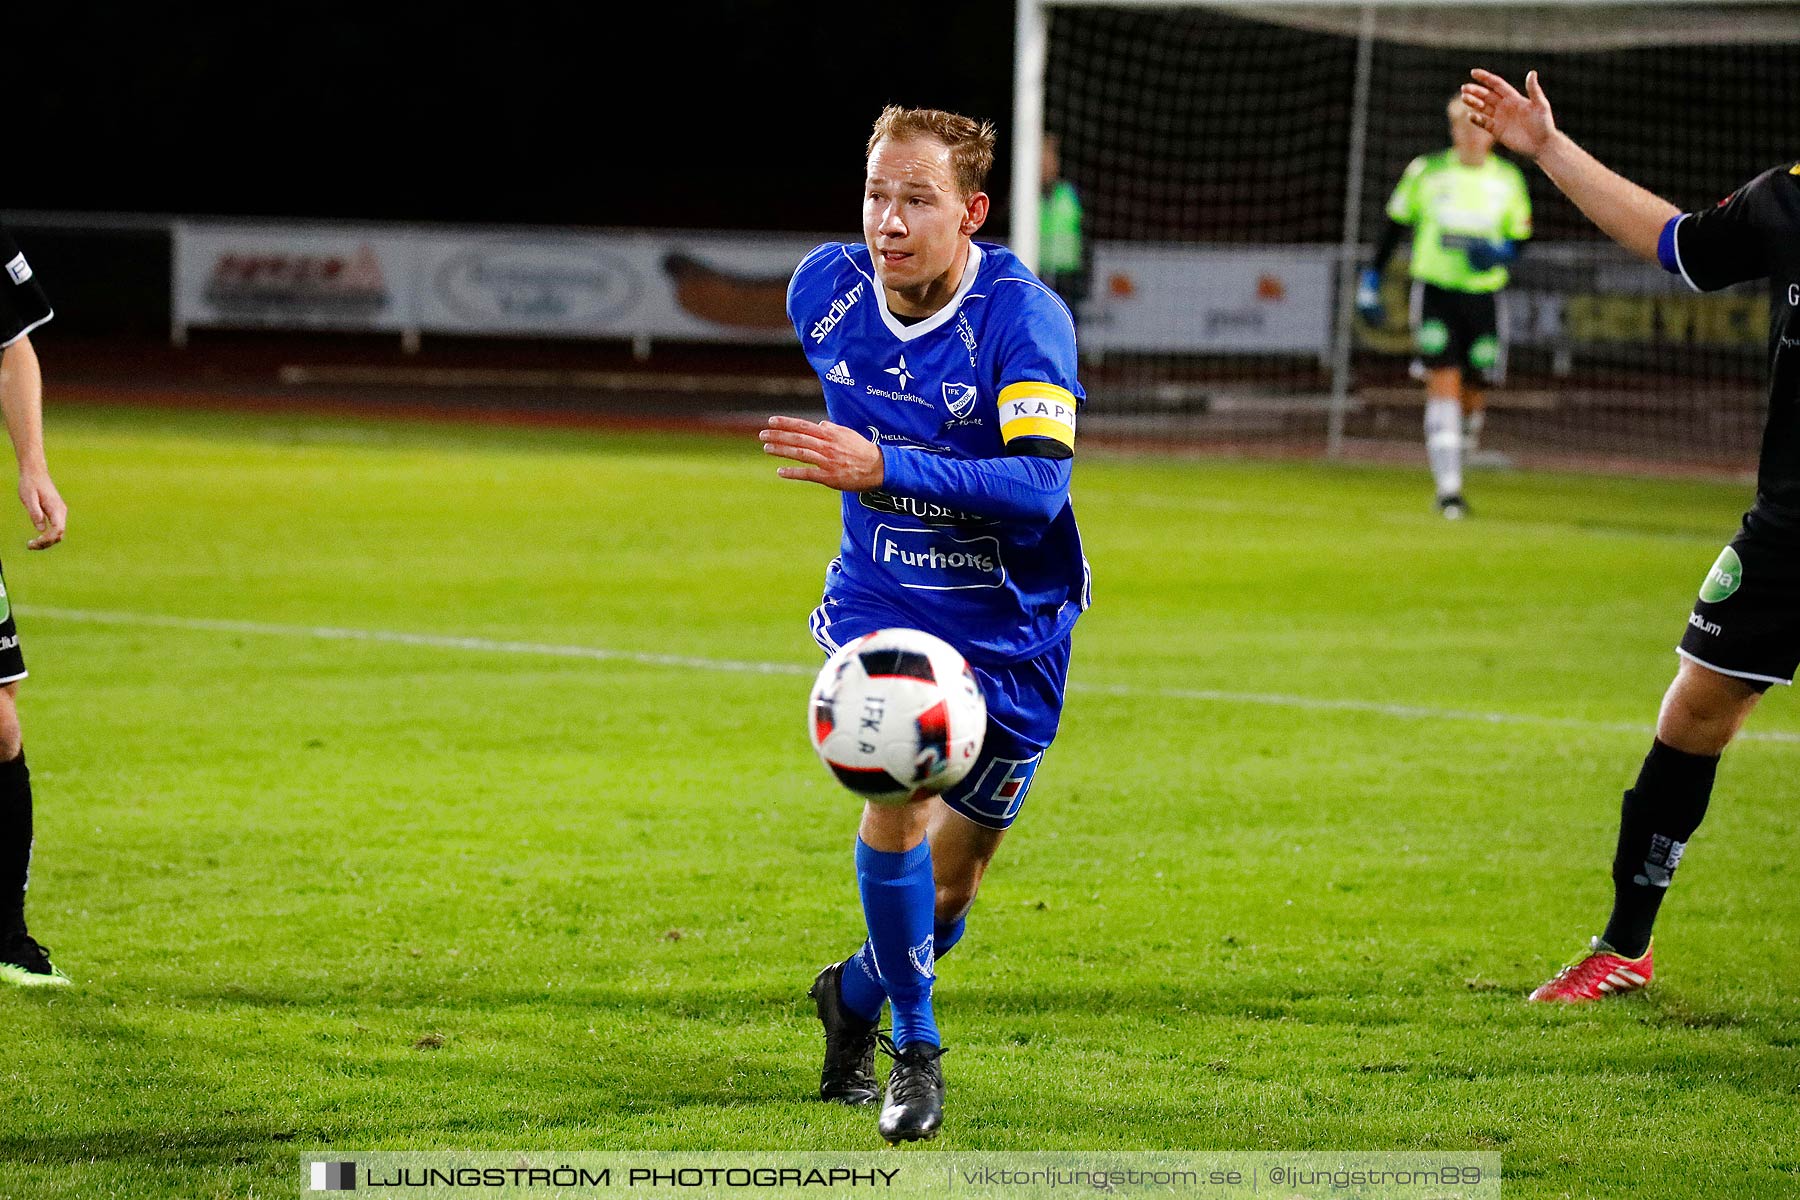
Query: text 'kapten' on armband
1038	418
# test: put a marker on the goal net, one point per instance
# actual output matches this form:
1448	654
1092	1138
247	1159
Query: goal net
1233	162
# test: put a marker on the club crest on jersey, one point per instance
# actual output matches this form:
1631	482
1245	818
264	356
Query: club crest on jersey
959	398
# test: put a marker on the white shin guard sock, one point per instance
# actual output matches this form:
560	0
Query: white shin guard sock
1443	444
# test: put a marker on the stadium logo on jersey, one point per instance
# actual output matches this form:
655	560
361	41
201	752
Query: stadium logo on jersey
960	397
901	373
1724	578
835	313
928	560
840	374
18	269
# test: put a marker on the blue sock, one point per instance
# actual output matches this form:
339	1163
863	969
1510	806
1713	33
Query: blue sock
945	936
860	986
899	899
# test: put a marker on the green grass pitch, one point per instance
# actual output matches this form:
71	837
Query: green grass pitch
1337	785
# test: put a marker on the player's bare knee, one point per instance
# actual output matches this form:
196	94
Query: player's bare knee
1444	382
955	898
1703	710
895	828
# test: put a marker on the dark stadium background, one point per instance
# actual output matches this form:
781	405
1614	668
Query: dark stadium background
734	116
741	114
752	116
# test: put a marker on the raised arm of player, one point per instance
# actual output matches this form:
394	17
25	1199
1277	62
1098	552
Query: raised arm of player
22	402
1524	124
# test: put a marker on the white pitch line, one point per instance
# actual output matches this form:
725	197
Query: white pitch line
433	640
1408	712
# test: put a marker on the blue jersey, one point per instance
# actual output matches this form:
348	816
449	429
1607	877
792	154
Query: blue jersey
971	536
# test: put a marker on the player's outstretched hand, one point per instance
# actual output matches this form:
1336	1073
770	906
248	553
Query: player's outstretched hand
1521	123
44	505
834	455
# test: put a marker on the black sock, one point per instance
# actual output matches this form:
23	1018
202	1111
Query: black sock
15	843
1659	815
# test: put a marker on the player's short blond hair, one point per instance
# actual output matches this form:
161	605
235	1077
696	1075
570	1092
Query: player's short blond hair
971	142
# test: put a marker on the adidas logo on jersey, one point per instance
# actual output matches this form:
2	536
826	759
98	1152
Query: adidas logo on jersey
840	374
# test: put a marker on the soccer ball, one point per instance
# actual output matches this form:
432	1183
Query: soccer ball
895	713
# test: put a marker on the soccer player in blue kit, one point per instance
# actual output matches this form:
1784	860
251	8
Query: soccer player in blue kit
949	379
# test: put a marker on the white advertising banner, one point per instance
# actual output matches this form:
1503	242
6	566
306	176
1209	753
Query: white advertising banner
709	287
690	287
280	277
713	287
1182	298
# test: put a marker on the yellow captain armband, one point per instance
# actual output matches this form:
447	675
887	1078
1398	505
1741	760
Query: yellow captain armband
1037	418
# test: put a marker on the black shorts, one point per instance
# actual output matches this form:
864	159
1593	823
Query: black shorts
1747	621
1459	329
12	659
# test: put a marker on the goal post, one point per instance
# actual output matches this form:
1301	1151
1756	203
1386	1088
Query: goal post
1233	160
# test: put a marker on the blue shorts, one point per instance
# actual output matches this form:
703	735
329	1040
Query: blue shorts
1024	704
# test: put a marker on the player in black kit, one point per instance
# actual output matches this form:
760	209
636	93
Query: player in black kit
23	307
1744	632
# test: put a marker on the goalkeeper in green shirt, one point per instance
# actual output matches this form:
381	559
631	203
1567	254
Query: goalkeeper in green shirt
1467	212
